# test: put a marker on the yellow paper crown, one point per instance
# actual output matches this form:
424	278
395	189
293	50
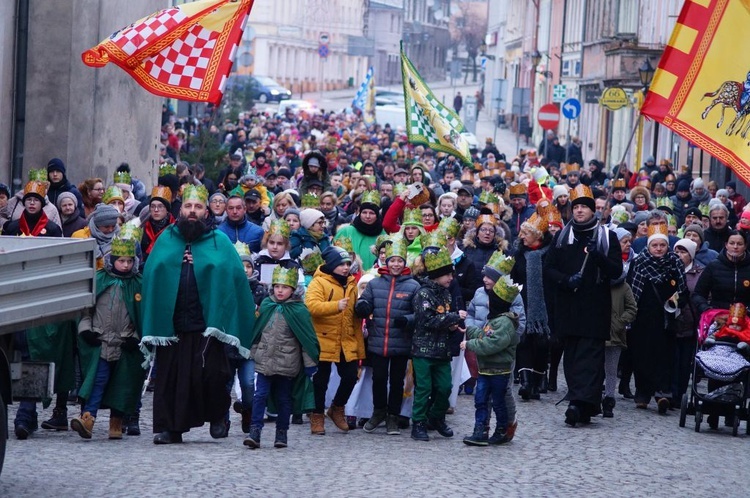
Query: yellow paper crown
34	187
500	262
486	218
517	189
285	276
167	169
370	197
412	217
345	243
580	191
162	192
435	260
123	177
450	226
310	201
279	227
506	289
113	193
195	193
123	247
311	261
487	197
658	230
537	223
397	247
242	249
399	188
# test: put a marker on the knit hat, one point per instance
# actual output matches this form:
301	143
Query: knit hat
683	186
66	195
334	256
471	213
688	245
105	215
640	217
293	211
732	184
622	233
695	227
698	183
217	195
558	191
56	164
745	220
308	217
722	191
4	189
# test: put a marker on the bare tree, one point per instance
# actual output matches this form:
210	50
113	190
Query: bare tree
468	27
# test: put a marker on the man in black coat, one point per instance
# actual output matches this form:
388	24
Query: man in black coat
582	259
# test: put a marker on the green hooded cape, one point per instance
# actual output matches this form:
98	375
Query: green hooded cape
55	342
298	319
222	288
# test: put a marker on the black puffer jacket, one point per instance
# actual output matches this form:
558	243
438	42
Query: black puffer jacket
723	283
389	300
477	254
433	318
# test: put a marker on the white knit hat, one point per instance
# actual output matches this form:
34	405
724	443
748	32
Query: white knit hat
308	217
558	191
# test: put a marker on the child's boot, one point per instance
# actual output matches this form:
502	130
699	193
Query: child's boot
115	427
377	418
83	425
478	438
133	426
317	424
608	405
280	440
336	413
498	437
252	440
391	425
419	431
58	421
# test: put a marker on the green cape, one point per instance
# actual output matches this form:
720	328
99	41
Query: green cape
298	319
55	342
222	288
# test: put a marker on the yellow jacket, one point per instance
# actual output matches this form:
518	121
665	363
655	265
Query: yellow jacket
85	233
337	331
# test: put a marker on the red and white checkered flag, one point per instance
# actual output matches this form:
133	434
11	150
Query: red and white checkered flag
184	52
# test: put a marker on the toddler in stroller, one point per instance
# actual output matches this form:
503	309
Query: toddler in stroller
722	360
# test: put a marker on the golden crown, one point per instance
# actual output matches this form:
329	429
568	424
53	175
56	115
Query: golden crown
658	230
195	193
370	197
398	247
279	227
435	238
517	189
450	226
113	193
162	193
501	262
554	216
285	276
412	217
124	247
345	243
35	187
434	260
619	184
573	167
486	218
537	223
467	176
506	289
580	191
123	177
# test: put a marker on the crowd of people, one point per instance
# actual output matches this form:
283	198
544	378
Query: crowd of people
322	243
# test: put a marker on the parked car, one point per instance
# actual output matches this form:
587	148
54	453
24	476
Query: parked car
266	89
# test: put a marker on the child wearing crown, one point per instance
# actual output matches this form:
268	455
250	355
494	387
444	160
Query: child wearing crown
285	350
108	343
495	347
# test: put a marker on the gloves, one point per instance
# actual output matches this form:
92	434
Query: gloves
400	322
592	246
130	344
91	338
310	371
574	281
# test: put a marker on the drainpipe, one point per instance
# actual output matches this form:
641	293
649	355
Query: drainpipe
19	94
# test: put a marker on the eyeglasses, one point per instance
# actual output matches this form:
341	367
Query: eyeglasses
157	207
487	230
100	189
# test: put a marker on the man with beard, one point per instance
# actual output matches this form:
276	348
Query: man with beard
195	301
59	183
582	259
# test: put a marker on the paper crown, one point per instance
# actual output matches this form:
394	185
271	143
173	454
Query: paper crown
123	247
450	226
35	188
130	231
123	177
506	289
467	176
619	184
517	189
310	201
370	197
435	260
161	192
435	238
737	313
285	276
195	193
38	175
345	243
279	227
242	249
664	202
501	262
382	240
412	217
311	260
540	174
620	216
167	169
573	167
705	209
487	197
113	193
580	191
486	218
536	223
485	173
657	230
398	247
418	194
399	188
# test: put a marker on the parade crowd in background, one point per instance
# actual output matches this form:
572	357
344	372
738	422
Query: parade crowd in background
339	272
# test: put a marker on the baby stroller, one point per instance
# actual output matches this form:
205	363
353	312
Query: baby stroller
721	375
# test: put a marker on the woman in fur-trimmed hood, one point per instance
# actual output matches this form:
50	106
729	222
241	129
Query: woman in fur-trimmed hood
314	167
479	245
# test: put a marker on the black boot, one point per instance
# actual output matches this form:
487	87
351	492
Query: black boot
536	381
625	391
441	427
543	384
419	431
478	438
552	383
607	405
168	438
280	441
525	390
572	415
252	440
133	427
58	421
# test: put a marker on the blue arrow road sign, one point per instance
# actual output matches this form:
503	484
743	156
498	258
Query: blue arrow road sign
571	108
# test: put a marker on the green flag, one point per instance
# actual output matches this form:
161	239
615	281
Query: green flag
428	121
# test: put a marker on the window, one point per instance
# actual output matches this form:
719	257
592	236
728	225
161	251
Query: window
627	18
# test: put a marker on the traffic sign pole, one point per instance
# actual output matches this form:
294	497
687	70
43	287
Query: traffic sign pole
571	109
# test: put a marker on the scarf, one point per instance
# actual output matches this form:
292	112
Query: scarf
154	228
568	234
103	240
38	221
372	230
317	236
342	280
649	269
536	307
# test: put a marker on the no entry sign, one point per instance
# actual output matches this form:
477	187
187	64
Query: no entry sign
549	116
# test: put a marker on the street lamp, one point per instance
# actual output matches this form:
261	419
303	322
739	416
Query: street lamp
646	73
536	58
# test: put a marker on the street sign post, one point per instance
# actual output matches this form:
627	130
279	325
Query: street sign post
571	109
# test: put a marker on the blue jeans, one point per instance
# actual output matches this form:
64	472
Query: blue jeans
245	370
495	386
282	392
103	371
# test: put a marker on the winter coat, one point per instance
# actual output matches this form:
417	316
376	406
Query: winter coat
244	231
322	174
477	254
587	311
73	224
722	283
301	239
434	319
705	255
716	239
15	208
624	311
110	320
464	272
682	205
361	243
687	323
278	351
494	344
517	218
388	299
54	191
479	310
337	331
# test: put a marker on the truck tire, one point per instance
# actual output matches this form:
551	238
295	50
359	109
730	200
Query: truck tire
3	431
